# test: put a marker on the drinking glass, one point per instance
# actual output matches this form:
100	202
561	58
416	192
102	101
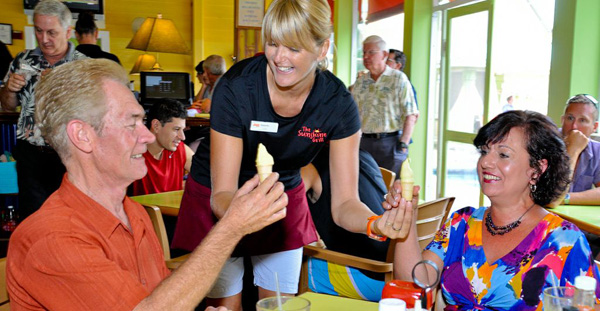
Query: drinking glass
288	303
557	298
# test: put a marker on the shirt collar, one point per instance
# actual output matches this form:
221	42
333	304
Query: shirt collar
103	219
68	57
388	71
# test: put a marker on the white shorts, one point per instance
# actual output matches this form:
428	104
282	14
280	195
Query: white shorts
286	264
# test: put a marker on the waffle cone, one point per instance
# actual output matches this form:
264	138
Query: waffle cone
264	171
407	190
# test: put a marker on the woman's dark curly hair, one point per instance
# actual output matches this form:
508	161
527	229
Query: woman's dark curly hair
543	141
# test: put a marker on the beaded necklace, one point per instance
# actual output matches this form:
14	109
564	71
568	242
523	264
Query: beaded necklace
501	230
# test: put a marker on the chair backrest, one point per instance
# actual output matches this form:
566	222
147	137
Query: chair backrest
159	227
388	177
432	216
4	301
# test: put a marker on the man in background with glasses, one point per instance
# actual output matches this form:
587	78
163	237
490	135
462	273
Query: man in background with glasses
387	107
396	59
39	170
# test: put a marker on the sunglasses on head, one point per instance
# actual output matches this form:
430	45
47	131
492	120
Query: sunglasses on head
582	98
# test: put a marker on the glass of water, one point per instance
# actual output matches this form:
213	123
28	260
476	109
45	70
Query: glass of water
557	298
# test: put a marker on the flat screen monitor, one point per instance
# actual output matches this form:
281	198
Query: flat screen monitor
76	6
157	85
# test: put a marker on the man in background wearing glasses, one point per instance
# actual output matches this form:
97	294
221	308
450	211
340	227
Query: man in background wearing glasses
396	59
387	107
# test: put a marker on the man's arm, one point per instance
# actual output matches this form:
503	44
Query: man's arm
576	142
588	197
409	126
189	154
8	93
198	96
410	111
253	207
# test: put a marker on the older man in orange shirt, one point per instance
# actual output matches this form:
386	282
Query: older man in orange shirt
90	247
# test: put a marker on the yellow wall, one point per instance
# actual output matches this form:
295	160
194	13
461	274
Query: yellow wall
12	13
119	16
215	29
213	24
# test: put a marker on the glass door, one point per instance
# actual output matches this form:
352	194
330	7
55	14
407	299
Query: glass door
464	100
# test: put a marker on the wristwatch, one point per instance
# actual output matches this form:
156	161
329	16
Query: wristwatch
567	199
403	145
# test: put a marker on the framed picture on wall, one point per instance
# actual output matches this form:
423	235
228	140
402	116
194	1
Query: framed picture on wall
249	13
6	33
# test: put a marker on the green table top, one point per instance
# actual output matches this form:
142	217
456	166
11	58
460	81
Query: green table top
168	202
322	302
586	217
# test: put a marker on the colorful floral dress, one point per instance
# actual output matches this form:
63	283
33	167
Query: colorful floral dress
554	252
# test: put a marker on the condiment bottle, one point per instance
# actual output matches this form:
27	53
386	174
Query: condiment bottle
9	219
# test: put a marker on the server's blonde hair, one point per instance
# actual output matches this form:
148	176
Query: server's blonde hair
298	23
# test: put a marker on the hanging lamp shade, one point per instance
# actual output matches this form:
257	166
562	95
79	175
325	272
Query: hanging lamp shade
157	34
145	62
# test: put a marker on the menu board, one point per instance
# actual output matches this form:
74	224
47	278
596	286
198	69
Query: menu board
250	13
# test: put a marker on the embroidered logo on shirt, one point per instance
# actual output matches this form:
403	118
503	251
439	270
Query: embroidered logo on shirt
315	135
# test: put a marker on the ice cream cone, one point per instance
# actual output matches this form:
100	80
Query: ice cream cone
264	171
264	162
407	180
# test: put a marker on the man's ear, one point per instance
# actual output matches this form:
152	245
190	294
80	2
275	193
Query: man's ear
155	126
595	126
81	135
69	31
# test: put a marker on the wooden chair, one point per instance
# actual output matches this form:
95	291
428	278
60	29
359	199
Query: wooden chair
431	214
388	177
159	228
4	300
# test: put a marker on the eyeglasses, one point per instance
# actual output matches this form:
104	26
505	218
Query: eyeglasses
391	61
371	52
583	98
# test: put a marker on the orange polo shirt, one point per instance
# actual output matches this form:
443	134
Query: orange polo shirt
73	254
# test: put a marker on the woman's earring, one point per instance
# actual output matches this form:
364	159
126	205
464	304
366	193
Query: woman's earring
532	187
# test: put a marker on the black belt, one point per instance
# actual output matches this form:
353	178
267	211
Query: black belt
380	135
